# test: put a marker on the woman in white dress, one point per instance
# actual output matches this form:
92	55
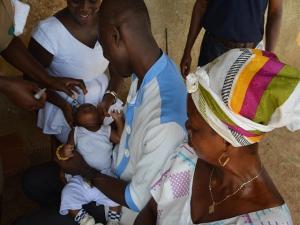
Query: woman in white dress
66	43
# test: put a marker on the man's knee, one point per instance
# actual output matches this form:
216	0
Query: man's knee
45	216
41	183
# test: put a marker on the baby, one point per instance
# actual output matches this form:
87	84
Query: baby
94	142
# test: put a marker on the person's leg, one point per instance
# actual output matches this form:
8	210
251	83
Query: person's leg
42	184
45	216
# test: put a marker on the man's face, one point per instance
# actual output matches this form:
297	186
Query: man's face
114	48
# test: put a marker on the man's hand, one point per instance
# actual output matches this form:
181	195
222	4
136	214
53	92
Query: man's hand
62	177
22	93
76	166
117	116
185	64
103	107
67	85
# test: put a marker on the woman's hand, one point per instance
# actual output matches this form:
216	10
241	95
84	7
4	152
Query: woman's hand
21	93
67	85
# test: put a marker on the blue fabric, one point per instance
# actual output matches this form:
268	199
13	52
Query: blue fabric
130	203
155	69
122	166
172	93
236	20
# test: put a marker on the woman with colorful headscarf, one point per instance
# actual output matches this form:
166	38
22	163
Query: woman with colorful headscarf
234	101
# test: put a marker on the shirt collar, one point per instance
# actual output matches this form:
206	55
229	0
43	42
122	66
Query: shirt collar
154	70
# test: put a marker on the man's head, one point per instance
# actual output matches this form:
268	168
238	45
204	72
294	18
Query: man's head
124	31
87	116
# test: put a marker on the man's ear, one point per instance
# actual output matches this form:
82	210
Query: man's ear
116	36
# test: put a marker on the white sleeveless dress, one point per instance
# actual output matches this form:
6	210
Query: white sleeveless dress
71	58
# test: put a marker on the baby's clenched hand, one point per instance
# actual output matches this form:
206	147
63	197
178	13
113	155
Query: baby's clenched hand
67	151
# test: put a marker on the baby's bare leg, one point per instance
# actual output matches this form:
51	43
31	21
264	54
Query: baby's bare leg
73	212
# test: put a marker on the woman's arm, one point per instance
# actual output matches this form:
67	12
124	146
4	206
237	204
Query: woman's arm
195	27
17	54
45	58
148	215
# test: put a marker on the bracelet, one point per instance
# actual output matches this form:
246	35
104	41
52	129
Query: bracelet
58	155
114	94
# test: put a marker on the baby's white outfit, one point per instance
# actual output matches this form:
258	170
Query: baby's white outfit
96	149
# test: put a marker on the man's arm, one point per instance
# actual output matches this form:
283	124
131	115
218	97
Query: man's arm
195	27
113	188
135	194
273	24
148	215
115	85
118	127
17	54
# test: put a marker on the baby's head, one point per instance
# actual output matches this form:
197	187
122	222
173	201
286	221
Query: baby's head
87	116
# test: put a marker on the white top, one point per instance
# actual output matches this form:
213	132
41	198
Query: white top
20	17
155	117
71	58
95	147
172	192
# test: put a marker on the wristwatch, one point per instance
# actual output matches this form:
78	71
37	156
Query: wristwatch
114	94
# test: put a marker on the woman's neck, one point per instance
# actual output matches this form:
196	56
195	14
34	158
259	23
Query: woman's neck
240	169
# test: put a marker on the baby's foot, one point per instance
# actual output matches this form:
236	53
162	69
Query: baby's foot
113	218
83	218
113	223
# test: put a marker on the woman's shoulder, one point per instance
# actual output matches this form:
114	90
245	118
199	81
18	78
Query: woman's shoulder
49	23
186	154
49	33
178	171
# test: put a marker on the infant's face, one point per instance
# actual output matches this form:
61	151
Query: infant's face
87	116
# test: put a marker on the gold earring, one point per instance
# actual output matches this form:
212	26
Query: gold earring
224	159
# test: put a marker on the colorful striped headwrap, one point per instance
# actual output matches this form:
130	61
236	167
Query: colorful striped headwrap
246	93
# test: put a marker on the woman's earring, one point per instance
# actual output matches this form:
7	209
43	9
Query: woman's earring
224	159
